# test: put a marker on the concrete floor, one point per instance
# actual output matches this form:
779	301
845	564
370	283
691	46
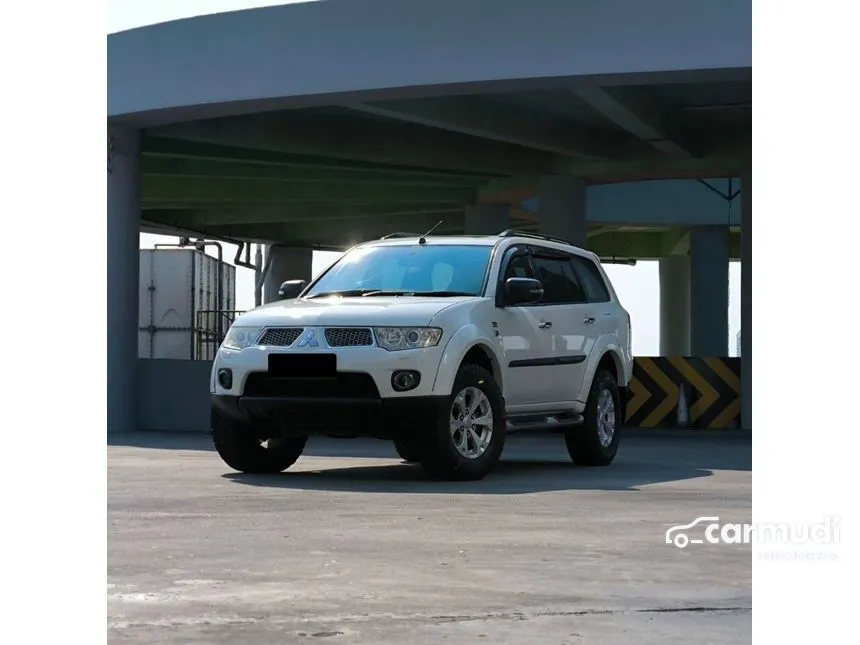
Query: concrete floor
351	546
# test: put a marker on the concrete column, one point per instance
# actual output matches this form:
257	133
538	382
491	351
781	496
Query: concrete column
487	219
746	300
675	305
709	291
562	209
288	263
123	277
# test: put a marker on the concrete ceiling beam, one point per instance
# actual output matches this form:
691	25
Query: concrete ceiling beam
156	166
643	121
363	139
676	242
486	119
346	233
725	164
599	230
192	190
167	148
330	212
645	245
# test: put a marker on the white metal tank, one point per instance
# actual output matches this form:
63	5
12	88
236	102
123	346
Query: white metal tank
177	289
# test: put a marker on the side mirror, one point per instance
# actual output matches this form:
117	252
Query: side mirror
291	289
522	291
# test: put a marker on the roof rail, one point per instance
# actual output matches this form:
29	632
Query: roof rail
548	238
396	235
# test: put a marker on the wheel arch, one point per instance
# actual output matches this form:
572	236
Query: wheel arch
481	354
467	345
608	354
611	362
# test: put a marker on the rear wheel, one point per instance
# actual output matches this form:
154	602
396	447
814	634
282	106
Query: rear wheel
240	448
466	440
595	442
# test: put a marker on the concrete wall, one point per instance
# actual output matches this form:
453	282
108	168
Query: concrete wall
173	395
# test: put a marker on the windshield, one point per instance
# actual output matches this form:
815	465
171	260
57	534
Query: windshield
406	270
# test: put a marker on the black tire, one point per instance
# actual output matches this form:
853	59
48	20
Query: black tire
407	450
584	442
439	456
240	448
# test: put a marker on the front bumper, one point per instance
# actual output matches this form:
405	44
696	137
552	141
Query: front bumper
374	362
335	416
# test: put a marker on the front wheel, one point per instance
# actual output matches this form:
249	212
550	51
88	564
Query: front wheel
240	448
595	442
466	440
407	450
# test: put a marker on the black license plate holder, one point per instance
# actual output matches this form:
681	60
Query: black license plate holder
303	366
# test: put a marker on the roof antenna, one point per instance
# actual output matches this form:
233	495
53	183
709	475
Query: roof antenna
423	239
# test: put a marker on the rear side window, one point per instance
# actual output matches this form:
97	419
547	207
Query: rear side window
560	283
592	281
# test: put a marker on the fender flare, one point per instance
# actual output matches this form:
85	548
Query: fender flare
607	344
460	343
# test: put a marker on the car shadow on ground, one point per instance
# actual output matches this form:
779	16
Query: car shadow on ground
524	468
529	464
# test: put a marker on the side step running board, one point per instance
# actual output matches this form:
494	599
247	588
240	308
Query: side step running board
544	422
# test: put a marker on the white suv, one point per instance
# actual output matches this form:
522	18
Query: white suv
442	344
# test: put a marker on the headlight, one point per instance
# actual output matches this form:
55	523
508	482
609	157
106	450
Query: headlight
396	338
240	337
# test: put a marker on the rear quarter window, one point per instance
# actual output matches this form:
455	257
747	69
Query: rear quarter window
592	280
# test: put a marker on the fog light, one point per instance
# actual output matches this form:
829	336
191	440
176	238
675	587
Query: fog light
403	380
225	378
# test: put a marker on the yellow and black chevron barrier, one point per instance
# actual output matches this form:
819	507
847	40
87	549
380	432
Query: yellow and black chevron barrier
712	387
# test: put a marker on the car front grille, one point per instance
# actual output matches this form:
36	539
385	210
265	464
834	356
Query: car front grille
280	337
348	337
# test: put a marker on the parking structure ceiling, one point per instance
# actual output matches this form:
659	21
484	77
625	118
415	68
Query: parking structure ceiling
332	175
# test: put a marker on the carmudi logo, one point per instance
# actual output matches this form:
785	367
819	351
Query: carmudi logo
709	530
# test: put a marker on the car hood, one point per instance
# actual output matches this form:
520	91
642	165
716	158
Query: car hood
405	311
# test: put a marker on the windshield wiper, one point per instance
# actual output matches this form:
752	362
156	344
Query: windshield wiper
382	292
418	294
346	293
442	294
350	293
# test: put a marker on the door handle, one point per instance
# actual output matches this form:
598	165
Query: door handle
589	320
544	324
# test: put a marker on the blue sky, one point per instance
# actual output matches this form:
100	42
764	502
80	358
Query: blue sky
638	287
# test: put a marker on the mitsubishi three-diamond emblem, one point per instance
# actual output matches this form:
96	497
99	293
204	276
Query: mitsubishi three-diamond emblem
309	340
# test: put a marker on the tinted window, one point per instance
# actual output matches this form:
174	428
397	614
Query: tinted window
560	283
519	267
592	280
411	268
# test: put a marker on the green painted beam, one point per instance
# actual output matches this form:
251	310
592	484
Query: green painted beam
645	245
156	166
349	136
322	212
676	242
171	148
721	164
174	189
